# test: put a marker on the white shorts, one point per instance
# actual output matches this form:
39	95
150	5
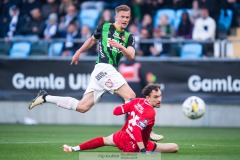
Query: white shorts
104	78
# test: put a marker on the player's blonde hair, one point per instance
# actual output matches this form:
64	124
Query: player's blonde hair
122	8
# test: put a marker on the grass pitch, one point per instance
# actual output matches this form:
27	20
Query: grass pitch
44	142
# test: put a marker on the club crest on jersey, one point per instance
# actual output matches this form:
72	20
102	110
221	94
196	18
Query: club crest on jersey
109	83
123	38
143	123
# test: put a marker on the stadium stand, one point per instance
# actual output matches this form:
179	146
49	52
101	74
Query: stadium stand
89	13
191	50
55	49
20	49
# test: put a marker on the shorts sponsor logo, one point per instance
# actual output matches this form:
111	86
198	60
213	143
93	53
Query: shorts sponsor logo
100	75
109	83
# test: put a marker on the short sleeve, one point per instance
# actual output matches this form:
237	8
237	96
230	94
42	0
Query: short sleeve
98	32
131	41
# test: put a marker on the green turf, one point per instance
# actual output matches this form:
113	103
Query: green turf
41	142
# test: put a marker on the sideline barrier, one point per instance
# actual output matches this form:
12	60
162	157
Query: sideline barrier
214	80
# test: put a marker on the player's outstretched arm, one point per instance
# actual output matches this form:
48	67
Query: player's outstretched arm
137	133
125	108
128	52
88	44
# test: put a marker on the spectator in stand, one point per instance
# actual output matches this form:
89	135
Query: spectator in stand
147	23
213	7
136	7
5	6
63	7
205	26
149	7
185	27
29	5
204	30
157	47
233	5
160	4
84	35
50	30
144	48
195	11
99	5
70	17
167	31
134	30
106	16
180	4
50	6
12	24
69	47
34	25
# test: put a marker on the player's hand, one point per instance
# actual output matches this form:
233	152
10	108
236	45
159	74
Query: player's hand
114	43
143	150
75	59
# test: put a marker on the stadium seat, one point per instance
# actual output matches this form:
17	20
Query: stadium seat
191	50
55	49
169	12
225	20
4	48
89	17
20	49
39	48
178	17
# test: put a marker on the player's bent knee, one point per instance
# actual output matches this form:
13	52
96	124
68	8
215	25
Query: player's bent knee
81	108
132	95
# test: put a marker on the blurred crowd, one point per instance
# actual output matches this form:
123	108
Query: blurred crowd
49	19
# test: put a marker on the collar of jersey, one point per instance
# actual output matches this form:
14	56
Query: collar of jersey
147	103
119	30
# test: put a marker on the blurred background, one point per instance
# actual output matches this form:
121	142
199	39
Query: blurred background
189	47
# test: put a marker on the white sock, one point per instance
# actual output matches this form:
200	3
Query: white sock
64	102
76	148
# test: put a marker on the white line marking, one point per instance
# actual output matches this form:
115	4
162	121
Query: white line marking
211	145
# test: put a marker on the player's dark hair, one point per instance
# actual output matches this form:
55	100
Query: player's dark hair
149	88
122	8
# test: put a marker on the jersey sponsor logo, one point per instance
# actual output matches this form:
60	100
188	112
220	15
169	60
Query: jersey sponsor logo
101	50
109	83
133	42
116	35
100	75
114	48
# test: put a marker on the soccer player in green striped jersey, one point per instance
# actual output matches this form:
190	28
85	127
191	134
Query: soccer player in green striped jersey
114	42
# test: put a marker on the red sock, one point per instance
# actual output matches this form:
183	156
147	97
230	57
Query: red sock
94	143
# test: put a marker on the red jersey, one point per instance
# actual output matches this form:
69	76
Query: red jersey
140	121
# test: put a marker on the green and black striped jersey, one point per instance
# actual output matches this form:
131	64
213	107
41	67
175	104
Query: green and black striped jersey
108	54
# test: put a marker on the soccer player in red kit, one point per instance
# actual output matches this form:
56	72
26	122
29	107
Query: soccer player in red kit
134	136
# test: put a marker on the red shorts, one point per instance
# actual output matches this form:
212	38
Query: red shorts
126	144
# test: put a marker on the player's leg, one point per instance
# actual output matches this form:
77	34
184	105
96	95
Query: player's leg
91	144
126	92
166	147
65	102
